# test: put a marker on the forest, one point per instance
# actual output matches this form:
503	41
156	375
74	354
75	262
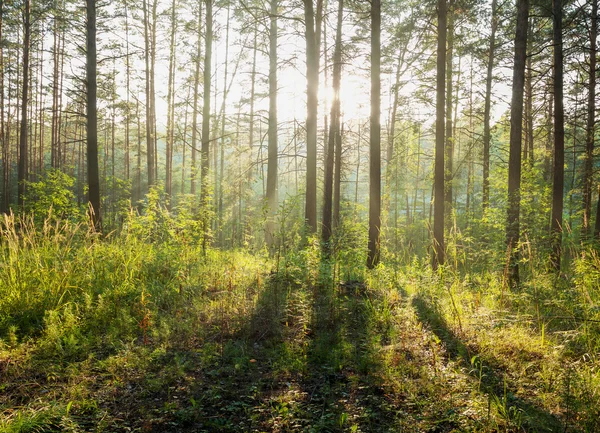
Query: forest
299	216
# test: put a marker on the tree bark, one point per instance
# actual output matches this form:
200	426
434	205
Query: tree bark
204	155
272	193
92	118
449	155
487	109
196	94
588	171
170	142
559	139
516	135
150	137
334	134
375	138
438	202
23	151
312	103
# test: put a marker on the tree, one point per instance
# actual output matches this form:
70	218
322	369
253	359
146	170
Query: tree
516	132
559	137
438	201
92	117
591	123
272	192
171	107
196	94
334	132
149	57
375	138
312	103
23	149
204	154
487	108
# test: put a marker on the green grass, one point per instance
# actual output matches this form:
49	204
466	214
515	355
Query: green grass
143	331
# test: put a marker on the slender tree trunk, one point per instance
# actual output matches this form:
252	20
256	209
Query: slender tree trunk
138	172
588	170
528	149
516	135
312	80
487	109
150	137
375	138
196	94
222	140
272	192
337	179
185	140
438	220
171	109
3	141
23	157
204	155
449	156
127	90
55	94
92	118
559	139
334	133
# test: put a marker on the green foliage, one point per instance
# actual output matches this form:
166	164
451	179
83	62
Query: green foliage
52	198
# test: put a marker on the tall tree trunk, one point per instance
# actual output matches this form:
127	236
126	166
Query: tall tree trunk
196	94
23	166
138	172
222	140
528	149
204	154
438	202
334	133
127	90
559	139
588	171
92	118
487	109
312	103
337	177
375	138
449	156
516	135
249	171
150	137
55	94
272	193
3	141
171	109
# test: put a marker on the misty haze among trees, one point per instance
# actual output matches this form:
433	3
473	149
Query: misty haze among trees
311	216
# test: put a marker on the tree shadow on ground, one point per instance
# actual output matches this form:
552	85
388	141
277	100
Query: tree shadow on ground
534	418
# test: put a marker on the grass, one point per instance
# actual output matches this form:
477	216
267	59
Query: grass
142	331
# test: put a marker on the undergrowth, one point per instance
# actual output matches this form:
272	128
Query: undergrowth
144	330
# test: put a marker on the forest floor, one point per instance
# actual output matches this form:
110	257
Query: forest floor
277	353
